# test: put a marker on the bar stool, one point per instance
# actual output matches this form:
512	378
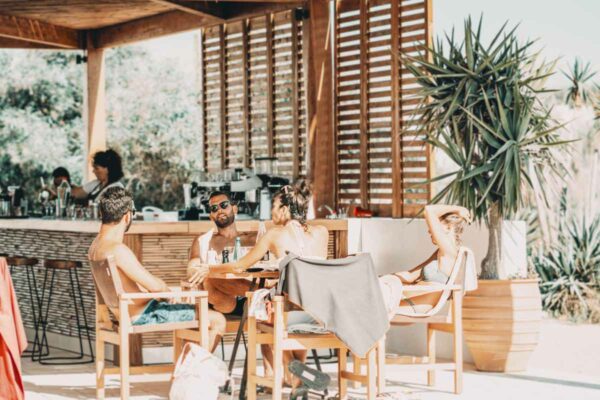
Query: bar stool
53	266
28	263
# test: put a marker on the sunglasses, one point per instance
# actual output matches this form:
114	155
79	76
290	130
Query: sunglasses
215	207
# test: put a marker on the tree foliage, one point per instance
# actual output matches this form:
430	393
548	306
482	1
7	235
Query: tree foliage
152	120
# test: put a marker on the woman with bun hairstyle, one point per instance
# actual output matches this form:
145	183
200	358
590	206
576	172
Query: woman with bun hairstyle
290	233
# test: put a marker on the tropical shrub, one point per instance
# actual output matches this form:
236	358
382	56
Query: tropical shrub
482	110
569	272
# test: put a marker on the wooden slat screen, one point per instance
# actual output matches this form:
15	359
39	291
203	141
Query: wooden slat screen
377	167
252	97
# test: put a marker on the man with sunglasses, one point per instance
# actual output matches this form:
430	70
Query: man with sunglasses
225	295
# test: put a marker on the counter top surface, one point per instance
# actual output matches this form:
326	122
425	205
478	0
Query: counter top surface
148	227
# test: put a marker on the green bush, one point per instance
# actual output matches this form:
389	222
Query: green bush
569	272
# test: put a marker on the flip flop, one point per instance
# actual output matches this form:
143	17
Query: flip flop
311	378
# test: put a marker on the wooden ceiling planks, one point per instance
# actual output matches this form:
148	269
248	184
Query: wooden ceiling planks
201	9
60	23
32	31
82	14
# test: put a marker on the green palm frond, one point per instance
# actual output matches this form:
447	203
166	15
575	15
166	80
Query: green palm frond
579	75
482	111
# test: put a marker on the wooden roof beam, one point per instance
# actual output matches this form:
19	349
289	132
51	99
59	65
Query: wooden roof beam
38	32
149	28
257	1
252	8
205	9
7	43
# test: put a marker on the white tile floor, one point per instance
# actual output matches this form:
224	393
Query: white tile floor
565	366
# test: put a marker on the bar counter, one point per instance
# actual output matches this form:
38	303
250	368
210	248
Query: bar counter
162	247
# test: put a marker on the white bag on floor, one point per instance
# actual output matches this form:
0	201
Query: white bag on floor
198	375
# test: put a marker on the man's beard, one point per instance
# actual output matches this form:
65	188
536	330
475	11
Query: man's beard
225	222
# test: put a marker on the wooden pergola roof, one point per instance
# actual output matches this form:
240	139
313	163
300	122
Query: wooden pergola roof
80	24
358	97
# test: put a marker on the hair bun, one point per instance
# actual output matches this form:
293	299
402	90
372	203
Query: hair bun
302	188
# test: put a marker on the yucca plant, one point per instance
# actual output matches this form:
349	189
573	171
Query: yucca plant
481	109
569	272
579	75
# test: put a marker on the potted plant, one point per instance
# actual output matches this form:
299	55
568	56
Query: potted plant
482	110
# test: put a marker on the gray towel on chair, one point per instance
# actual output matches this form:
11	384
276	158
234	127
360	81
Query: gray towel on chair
342	294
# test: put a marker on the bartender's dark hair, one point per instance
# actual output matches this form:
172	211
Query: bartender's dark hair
111	160
296	197
114	204
61	171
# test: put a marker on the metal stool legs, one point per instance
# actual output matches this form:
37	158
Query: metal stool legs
35	309
77	298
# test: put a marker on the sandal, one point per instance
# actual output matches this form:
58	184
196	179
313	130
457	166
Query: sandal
311	378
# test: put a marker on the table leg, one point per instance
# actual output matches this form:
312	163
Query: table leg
243	383
236	344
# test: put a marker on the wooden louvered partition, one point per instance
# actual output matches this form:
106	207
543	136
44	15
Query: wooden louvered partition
378	167
253	97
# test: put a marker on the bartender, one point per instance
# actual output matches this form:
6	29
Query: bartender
108	169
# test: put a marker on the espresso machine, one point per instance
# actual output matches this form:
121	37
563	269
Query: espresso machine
250	189
255	190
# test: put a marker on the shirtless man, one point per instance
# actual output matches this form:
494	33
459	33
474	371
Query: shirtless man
225	295
116	209
290	233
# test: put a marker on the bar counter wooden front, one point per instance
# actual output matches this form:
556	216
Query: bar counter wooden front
162	247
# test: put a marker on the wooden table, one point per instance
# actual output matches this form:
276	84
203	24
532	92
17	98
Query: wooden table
257	282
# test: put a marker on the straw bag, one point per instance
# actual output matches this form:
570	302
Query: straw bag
198	375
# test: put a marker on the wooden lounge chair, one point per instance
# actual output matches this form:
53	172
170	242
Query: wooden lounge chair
111	296
276	334
444	316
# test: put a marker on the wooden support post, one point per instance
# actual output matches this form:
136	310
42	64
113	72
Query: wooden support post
295	104
321	131
96	109
364	103
397	190
270	86
429	44
309	93
223	95
246	95
203	99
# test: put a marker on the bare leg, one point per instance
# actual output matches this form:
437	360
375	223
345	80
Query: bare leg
222	293
216	328
267	353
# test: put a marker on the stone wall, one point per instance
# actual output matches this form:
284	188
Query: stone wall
52	245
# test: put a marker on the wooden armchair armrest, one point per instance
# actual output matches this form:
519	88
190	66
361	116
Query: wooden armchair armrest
163	295
431	288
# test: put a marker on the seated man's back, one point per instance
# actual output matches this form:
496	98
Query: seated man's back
134	277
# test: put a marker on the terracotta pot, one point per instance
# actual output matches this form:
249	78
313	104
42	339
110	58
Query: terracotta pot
501	322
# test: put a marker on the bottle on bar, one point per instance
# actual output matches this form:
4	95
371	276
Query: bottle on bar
237	249
225	256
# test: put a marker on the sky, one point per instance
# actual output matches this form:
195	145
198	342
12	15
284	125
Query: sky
566	29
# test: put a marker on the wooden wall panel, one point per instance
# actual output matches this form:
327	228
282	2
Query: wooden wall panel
380	162
262	102
211	98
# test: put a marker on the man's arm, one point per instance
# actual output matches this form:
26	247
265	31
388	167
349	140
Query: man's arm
129	264
264	244
196	270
